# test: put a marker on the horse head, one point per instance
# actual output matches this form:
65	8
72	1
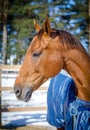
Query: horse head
43	60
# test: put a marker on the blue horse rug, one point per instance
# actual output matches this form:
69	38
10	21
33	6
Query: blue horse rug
63	108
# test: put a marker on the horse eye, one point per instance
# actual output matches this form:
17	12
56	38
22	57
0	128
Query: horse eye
36	54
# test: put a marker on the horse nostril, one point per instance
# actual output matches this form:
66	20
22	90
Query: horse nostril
17	92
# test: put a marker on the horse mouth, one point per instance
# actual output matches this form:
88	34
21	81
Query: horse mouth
27	97
25	94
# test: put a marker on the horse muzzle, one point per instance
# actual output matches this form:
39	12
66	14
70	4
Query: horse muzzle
23	94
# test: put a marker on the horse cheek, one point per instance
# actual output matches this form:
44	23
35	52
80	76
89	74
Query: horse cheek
55	65
54	69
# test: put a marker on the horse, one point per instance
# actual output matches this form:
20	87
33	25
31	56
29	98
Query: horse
50	51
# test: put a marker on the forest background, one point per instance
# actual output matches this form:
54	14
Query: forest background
17	29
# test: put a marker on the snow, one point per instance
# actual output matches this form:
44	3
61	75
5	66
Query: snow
25	118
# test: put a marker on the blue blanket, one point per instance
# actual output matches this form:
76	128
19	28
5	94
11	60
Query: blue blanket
61	100
79	112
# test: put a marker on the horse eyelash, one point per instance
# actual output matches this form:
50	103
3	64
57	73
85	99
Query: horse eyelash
36	54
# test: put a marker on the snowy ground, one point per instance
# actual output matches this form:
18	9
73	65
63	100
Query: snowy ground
24	118
39	98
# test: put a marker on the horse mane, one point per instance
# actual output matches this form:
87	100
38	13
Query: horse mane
66	39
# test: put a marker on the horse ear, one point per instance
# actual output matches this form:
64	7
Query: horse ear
37	27
47	27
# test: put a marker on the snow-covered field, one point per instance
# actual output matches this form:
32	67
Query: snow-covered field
39	98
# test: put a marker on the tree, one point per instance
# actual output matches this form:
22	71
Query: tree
64	14
72	16
22	25
3	17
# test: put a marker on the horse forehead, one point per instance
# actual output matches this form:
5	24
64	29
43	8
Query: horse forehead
35	43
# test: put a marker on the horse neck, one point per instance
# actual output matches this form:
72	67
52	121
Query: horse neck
77	64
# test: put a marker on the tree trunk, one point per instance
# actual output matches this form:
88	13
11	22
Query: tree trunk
4	14
4	43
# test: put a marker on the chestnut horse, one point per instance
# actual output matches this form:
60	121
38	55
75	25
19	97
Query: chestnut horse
50	51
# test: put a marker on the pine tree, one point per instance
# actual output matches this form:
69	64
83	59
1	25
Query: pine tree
23	13
71	16
64	14
3	17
